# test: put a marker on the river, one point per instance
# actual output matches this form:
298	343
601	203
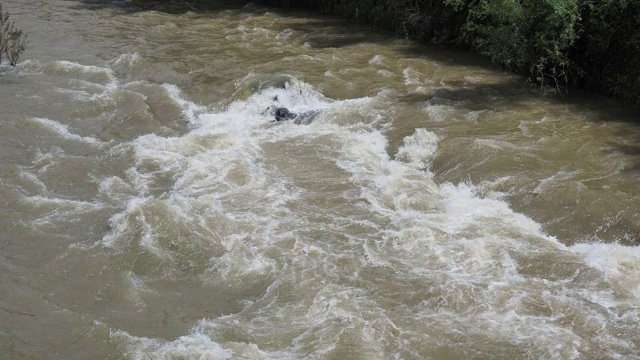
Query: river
428	207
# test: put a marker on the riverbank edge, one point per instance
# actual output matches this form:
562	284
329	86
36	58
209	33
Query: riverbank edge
578	60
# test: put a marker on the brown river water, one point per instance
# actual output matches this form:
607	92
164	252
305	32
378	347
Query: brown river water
428	206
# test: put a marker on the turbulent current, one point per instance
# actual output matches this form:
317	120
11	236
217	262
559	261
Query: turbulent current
431	208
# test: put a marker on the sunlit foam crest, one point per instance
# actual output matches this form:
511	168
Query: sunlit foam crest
59	203
377	60
137	287
33	179
55	210
391	186
315	331
91	73
560	177
240	264
411	76
165	154
417	82
419	149
63	131
125	62
115	188
618	263
29	66
304	58
44	160
190	109
121	223
242	122
467	210
203	342
107	88
438	112
196	345
536	334
285	34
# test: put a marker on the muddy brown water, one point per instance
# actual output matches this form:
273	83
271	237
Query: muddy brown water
433	207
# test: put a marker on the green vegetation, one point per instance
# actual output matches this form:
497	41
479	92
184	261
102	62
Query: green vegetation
12	40
594	44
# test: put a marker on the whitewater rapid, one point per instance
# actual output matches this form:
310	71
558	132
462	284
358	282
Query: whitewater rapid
338	241
153	208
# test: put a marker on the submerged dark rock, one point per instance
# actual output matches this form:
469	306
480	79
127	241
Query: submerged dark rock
283	113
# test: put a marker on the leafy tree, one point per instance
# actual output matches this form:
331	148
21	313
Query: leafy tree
531	36
608	51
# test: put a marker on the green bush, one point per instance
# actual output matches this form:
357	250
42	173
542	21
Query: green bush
531	37
12	40
607	54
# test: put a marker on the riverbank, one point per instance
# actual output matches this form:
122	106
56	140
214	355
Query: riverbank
555	44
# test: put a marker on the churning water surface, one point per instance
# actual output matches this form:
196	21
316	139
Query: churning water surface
431	207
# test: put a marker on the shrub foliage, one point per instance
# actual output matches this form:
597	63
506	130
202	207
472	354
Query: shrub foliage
530	37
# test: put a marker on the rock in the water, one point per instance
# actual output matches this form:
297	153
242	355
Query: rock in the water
284	114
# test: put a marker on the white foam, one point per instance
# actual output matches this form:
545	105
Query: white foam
440	112
419	149
79	205
284	34
63	131
55	210
377	60
115	188
122	222
26	175
193	346
201	161
618	263
411	76
190	109
561	177
466	246
92	73
474	115
392	186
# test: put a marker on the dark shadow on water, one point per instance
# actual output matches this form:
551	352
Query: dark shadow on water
610	112
335	32
166	6
512	92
